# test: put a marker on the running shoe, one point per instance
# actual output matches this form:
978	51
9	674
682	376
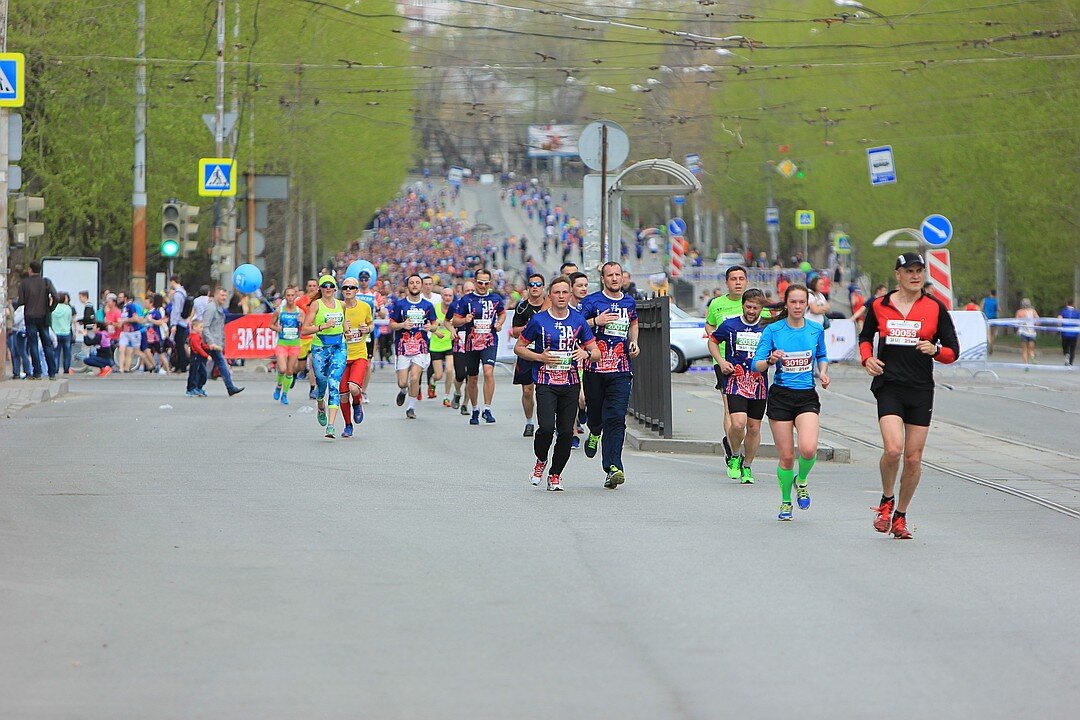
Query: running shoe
529	430
321	416
899	528
366	399
302	375
578	430
553	483
410	414
747	476
431	392
202	393
347	432
785	511
727	448
475	419
358	414
284	398
591	444
192	393
538	472
802	496
456	401
615	478
464	408
734	467
329	435
488	417
446	402
104	371
884	515
575	442
311	394
277	393
400	398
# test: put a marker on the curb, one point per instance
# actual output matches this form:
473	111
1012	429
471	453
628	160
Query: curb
21	394
646	442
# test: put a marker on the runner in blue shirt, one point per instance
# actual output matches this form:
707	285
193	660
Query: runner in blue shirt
1069	331
795	344
557	340
412	318
733	345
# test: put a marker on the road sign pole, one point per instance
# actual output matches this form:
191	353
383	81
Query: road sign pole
3	196
806	244
605	247
138	196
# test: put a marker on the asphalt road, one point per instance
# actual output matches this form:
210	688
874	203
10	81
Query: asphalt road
218	558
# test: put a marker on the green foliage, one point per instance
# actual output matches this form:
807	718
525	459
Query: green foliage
348	158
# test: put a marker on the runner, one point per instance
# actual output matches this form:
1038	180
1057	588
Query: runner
457	349
325	322
358	323
913	330
375	302
795	344
579	287
481	315
732	345
532	303
556	340
427	292
303	361
606	382
286	323
721	308
441	342
411	319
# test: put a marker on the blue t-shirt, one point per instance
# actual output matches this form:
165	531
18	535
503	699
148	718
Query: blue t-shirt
486	309
740	342
803	349
1070	313
415	341
130	310
990	308
561	336
611	339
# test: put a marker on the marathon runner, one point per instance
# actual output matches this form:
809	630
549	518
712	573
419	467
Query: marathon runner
532	303
286	323
721	308
427	291
374	301
358	323
311	291
613	316
481	315
325	322
457	349
732	346
913	329
440	344
579	287
795	345
411	318
556	340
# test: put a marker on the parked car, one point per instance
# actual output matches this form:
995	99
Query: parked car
688	341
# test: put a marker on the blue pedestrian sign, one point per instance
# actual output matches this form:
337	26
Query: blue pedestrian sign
12	80
676	226
772	215
679	199
936	230
880	162
217	177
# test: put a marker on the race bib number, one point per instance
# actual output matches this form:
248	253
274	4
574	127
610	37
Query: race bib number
902	332
746	342
798	362
290	333
416	316
565	360
482	326
618	329
354	336
335	319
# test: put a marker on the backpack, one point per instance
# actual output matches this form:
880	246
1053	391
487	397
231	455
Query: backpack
185	310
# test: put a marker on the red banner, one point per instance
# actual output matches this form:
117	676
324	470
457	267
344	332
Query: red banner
249	336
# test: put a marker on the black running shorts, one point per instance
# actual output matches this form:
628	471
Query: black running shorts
785	404
459	367
439	355
523	372
914	407
754	409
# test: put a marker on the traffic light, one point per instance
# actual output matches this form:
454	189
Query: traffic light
188	229
23	229
172	214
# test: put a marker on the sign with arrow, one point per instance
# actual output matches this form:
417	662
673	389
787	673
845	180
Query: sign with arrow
936	230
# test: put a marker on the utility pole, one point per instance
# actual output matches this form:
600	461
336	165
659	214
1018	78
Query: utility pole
999	273
3	197
250	93
138	197
219	234
773	230
314	240
234	142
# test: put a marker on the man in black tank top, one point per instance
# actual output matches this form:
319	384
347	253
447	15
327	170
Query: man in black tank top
532	303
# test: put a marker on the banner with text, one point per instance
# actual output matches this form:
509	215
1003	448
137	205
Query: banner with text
249	336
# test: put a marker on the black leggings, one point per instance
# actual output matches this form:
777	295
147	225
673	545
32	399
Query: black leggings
1068	346
556	410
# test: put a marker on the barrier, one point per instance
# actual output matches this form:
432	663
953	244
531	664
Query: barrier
650	395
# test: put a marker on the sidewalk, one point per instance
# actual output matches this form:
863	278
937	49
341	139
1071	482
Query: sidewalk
17	395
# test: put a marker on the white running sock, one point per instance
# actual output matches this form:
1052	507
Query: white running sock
529	421
411	405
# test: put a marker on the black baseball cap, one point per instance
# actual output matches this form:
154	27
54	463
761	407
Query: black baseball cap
908	259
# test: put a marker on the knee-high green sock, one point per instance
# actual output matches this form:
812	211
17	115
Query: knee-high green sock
786	478
805	466
286	382
280	379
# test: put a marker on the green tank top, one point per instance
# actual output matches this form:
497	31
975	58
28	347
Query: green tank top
436	343
323	315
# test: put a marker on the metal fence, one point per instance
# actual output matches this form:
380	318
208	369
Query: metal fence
650	396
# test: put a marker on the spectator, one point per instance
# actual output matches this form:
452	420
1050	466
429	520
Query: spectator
971	304
198	307
213	321
236	303
130	332
89	312
197	367
63	321
100	343
39	298
990	310
15	322
817	303
157	333
178	322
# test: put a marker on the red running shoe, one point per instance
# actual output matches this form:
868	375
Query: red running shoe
431	392
899	528
884	515
553	483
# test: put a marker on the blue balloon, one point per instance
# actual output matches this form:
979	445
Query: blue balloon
247	278
353	271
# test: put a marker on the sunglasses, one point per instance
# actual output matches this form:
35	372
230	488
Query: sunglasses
483	282
350	287
328	286
536	284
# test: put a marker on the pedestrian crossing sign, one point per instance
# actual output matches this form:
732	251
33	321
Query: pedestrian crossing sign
12	82
217	177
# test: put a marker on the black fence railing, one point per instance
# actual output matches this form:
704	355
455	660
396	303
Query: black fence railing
650	397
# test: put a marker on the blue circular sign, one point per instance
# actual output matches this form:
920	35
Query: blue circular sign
676	226
936	230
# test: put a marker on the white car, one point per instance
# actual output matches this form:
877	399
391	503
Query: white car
688	341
